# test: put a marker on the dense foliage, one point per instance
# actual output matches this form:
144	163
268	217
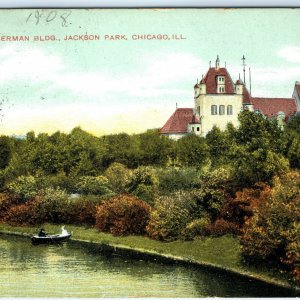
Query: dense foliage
273	232
241	181
170	216
122	215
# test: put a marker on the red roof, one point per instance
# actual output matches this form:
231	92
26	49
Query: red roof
272	106
246	96
178	122
211	81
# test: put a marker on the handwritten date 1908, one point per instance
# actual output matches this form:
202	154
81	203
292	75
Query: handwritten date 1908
46	16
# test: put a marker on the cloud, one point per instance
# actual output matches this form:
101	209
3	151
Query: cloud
290	53
269	81
30	64
157	75
164	75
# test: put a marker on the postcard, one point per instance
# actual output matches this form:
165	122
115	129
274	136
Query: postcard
149	153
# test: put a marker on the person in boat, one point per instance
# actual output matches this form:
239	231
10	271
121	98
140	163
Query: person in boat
42	232
64	231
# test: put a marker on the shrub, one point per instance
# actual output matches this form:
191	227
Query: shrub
6	202
24	187
118	176
122	215
143	184
173	179
93	185
221	227
83	211
211	196
23	214
59	180
273	231
197	227
53	205
170	216
292	256
241	207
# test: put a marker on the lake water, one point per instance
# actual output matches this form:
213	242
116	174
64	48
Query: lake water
70	270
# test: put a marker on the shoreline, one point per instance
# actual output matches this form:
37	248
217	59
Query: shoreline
103	244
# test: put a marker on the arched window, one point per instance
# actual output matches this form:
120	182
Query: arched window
229	109
198	110
214	110
221	110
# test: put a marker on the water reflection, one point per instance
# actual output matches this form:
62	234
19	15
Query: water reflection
71	271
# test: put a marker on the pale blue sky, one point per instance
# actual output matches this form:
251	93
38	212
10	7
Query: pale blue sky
113	86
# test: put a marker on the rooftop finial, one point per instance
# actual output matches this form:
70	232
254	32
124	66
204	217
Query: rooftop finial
244	70
250	80
217	62
176	105
210	64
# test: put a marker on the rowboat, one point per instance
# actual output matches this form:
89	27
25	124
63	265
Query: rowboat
50	239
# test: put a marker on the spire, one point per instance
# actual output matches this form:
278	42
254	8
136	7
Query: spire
217	63
244	70
250	79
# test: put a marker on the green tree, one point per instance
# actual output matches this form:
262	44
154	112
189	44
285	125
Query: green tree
155	149
122	148
294	152
5	151
257	154
86	153
257	131
192	151
219	143
294	124
256	165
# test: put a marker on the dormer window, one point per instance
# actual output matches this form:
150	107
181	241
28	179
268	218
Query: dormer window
221	89
221	79
220	84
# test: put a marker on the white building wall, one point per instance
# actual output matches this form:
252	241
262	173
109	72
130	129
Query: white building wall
194	128
208	120
175	136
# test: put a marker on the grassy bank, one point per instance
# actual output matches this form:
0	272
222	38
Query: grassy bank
221	252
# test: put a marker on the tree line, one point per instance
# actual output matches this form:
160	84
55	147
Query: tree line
243	181
255	151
